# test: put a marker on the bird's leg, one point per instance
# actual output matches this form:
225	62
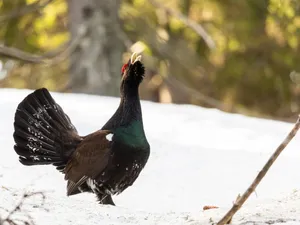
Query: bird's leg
105	199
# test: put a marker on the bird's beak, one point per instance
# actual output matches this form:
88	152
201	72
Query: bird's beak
135	57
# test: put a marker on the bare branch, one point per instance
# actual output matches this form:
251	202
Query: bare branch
171	80
51	57
28	220
24	10
15	53
240	201
188	22
73	44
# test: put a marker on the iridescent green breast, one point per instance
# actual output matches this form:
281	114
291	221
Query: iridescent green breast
132	135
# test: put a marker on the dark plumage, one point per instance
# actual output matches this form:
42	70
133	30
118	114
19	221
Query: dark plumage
105	162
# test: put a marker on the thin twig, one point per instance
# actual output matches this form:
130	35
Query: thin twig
238	204
28	220
188	22
24	10
51	57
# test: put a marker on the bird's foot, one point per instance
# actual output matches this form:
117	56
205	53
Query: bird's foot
105	199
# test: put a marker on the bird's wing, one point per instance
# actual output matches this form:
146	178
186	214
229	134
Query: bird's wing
89	159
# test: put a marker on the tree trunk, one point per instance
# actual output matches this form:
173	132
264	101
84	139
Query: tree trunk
95	65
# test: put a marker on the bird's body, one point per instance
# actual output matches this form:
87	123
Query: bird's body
105	162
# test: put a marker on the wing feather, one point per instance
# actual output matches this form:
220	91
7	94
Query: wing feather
89	159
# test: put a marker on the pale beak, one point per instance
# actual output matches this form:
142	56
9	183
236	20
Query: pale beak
135	57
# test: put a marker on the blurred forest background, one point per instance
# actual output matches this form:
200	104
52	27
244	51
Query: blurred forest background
240	56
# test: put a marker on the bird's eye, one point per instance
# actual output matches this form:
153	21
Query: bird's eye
124	67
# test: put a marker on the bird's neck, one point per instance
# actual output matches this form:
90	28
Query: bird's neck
128	111
127	122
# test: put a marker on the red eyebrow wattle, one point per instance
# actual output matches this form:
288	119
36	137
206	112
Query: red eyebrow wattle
124	67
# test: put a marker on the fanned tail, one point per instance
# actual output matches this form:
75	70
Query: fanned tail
43	133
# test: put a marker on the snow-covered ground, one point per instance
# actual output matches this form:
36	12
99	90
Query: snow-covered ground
198	157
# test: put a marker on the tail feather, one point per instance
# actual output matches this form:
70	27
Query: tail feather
43	133
26	131
55	111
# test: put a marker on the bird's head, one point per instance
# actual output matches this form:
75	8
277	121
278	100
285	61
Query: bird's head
133	71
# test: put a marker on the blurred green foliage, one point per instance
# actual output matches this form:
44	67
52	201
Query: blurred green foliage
254	67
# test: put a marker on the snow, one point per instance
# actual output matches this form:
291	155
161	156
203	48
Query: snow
198	157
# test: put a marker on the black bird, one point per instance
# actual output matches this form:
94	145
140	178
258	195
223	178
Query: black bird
105	162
